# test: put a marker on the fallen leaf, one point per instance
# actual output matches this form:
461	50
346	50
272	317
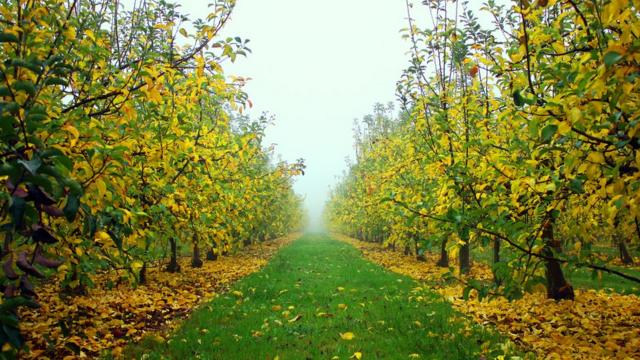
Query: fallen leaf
347	336
324	315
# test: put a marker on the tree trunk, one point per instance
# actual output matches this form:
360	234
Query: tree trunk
465	254
225	250
496	259
173	266
625	255
211	255
623	249
557	286
444	257
196	261
142	275
420	255
78	290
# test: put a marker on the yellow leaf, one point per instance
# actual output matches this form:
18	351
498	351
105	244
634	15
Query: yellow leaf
102	188
564	128
577	246
356	355
596	157
88	33
137	265
347	336
296	318
324	315
574	115
74	132
102	236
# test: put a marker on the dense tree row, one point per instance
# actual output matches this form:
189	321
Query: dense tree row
521	136
121	143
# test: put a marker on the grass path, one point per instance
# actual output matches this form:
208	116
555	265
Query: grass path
313	291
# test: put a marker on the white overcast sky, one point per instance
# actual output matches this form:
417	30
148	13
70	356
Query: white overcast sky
316	66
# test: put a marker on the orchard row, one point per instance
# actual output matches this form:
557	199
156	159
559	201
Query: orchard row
518	138
123	142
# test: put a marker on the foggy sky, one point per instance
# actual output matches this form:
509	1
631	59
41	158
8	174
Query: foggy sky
316	66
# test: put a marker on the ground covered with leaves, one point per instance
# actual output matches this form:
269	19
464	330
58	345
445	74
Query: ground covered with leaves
596	325
318	299
106	319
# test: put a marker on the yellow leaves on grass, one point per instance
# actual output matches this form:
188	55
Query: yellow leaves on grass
110	319
596	325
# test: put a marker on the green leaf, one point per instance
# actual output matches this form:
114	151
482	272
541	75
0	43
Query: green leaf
56	81
10	320
548	132
71	209
13	335
7	169
8	38
34	66
58	157
612	57
576	185
74	187
26	86
36	117
32	165
465	292
17	210
11	107
517	98
7	126
9	305
116	240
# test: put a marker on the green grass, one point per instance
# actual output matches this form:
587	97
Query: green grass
388	316
584	279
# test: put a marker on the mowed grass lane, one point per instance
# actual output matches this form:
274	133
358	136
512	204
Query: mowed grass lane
318	299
